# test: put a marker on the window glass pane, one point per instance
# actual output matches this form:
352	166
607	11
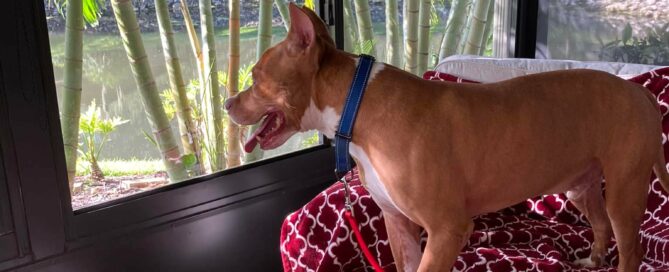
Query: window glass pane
133	132
621	31
393	34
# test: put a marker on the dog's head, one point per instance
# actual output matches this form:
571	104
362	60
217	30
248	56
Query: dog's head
282	82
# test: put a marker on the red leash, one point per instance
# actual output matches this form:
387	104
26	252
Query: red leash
361	242
356	230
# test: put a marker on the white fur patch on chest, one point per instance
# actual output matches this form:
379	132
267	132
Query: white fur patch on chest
325	121
372	182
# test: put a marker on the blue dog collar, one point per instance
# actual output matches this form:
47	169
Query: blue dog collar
344	132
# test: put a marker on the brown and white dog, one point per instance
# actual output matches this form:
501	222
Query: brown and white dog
435	154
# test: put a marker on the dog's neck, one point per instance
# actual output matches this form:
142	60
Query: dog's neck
384	100
330	90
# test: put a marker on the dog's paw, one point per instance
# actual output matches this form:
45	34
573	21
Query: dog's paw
585	262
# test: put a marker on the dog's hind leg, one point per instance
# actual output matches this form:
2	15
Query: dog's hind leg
626	198
587	197
444	244
404	237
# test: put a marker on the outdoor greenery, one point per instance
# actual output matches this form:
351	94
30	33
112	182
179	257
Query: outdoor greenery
651	49
95	131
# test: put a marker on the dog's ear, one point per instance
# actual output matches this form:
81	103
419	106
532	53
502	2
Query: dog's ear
301	33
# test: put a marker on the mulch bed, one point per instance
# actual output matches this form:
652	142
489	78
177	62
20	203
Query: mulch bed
89	193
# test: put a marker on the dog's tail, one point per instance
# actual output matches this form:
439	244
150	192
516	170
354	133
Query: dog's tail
660	169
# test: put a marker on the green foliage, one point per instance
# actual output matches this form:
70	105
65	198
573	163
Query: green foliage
94	131
245	79
313	140
310	4
435	19
364	48
92	10
651	49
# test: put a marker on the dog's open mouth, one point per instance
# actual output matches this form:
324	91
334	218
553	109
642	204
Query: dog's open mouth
271	127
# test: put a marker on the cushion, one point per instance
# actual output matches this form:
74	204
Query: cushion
545	233
484	69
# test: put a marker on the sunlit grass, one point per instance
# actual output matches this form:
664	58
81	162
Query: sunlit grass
118	168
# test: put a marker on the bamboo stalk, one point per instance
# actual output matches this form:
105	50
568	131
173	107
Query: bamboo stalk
393	36
192	34
215	123
476	30
350	27
189	139
282	6
264	27
365	30
411	36
71	105
423	36
453	31
264	41
234	150
134	47
487	33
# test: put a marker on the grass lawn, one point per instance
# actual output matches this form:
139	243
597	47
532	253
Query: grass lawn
119	168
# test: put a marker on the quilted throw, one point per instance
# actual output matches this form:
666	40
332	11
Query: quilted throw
545	233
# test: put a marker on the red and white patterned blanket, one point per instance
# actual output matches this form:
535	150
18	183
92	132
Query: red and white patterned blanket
545	233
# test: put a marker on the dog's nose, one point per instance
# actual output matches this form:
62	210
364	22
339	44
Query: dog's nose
228	103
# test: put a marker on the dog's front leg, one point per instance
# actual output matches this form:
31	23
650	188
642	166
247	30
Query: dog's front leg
404	237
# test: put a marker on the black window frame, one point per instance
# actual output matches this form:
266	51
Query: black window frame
35	154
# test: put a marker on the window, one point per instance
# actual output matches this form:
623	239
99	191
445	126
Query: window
620	31
415	35
130	127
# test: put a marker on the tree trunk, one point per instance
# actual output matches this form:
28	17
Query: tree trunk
488	28
282	6
264	41
423	36
411	36
351	39
132	41
393	36
234	149
212	94
477	28
187	129
96	172
71	105
365	30
453	31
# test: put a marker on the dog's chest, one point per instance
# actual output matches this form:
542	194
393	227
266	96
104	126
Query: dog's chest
373	184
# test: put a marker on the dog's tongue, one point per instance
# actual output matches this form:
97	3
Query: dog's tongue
252	141
250	144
